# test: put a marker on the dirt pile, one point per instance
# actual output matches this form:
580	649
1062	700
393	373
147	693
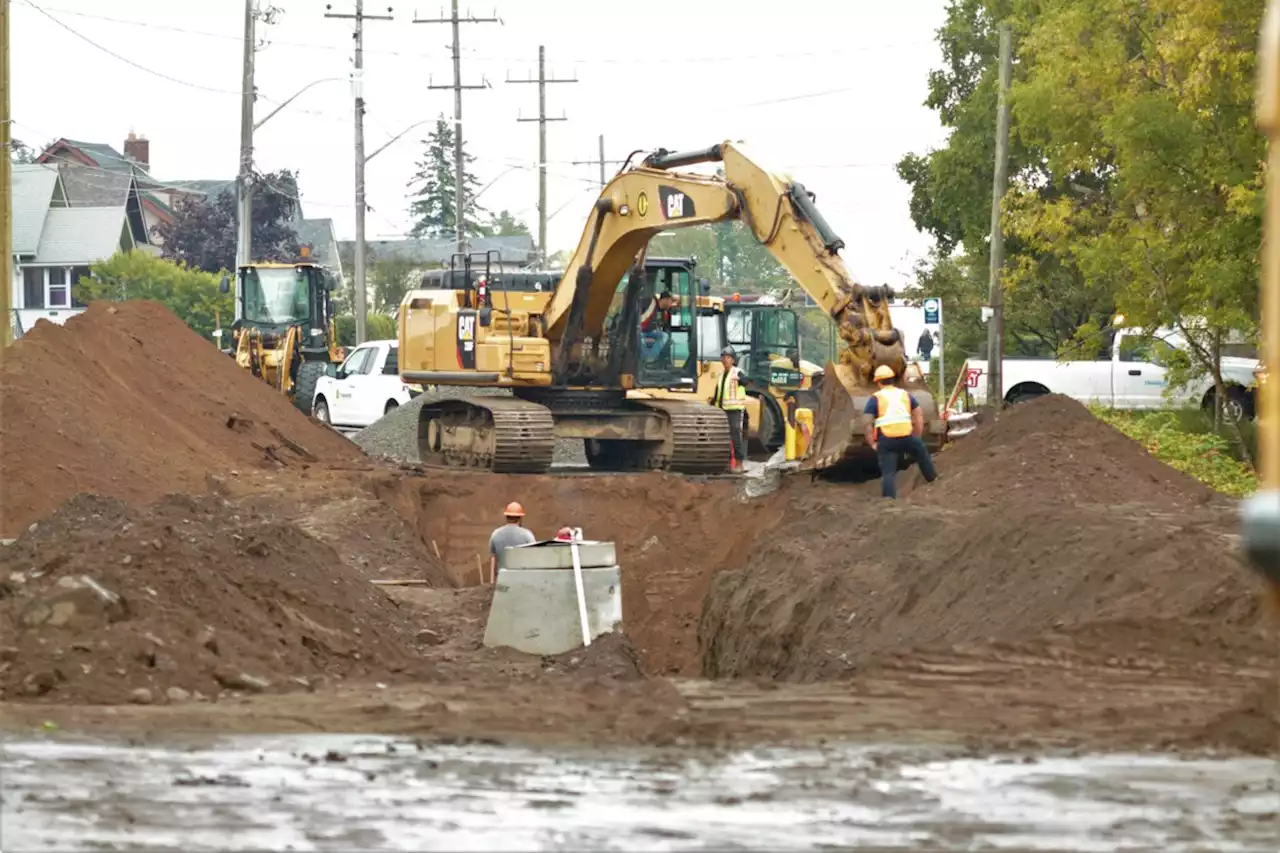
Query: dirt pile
1053	449
126	401
1047	522
106	603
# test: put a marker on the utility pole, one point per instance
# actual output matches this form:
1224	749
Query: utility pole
995	329
601	161
459	170
244	237
357	91
6	181
542	120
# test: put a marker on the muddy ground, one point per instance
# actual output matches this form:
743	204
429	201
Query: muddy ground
1056	588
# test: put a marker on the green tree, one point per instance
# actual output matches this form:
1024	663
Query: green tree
507	225
432	189
1157	99
191	294
20	152
377	327
1049	307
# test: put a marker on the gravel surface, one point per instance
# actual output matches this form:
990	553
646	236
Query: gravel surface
395	436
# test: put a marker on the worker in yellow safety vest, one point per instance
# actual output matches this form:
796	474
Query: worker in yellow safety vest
732	397
895	426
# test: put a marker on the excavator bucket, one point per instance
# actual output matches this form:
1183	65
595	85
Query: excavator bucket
838	446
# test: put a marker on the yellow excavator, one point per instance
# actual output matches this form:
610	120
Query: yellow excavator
765	334
284	331
570	377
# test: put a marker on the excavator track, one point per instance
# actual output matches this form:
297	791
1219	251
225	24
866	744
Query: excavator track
699	438
497	434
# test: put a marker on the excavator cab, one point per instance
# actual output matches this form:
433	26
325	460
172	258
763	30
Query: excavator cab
666	355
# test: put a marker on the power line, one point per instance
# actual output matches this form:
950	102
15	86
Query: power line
588	60
542	120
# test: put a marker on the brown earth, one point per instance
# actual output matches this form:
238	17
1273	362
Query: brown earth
126	401
1056	587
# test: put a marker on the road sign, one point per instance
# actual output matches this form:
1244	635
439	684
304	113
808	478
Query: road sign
932	311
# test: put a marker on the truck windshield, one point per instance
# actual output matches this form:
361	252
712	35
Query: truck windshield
277	297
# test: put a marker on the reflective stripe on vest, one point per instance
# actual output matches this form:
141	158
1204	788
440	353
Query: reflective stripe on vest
738	400
893	412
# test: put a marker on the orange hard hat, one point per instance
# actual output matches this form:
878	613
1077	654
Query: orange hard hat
514	510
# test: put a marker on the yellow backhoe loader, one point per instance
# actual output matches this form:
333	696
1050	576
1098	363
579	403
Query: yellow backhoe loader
284	331
570	378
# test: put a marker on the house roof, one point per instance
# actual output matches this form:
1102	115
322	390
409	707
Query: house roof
516	249
33	190
78	235
211	189
90	187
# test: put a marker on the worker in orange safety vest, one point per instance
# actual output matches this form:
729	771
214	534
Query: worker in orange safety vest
895	427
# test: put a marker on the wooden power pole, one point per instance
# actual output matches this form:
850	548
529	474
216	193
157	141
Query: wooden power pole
459	166
601	161
1000	183
6	181
542	120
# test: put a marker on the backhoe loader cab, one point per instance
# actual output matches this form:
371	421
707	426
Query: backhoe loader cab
284	330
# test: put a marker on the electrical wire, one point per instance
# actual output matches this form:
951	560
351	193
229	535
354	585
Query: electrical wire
472	54
160	74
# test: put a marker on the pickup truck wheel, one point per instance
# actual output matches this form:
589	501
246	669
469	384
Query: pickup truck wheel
391	406
321	411
1238	406
1023	393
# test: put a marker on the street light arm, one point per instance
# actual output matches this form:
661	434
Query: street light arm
393	140
294	97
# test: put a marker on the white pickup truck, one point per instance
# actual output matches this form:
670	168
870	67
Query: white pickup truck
1132	378
366	387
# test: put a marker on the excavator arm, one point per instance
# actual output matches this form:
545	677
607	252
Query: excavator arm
645	200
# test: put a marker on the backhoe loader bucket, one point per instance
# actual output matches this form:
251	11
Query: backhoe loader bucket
535	605
839	446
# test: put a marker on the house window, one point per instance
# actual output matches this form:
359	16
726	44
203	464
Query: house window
77	273
32	287
59	291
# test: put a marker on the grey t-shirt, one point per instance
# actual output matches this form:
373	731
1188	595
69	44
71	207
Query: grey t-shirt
509	536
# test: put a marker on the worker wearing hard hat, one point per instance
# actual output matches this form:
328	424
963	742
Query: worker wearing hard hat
895	426
513	534
732	397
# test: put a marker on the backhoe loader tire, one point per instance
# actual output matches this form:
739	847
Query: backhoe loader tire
304	389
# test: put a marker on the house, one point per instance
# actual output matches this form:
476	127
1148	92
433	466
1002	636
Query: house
96	166
55	241
511	252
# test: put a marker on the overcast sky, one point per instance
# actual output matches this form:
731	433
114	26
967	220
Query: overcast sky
829	90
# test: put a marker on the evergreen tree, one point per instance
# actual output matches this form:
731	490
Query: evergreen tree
432	189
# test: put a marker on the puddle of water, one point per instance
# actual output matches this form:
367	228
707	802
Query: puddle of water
360	792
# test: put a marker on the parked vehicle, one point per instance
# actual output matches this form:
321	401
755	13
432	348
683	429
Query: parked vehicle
365	387
1133	377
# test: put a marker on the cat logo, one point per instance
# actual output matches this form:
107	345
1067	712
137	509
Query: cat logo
642	205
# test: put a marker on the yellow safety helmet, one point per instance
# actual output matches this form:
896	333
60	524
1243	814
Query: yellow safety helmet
884	373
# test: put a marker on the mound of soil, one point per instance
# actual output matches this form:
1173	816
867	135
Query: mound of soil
126	401
106	603
1046	520
1052	449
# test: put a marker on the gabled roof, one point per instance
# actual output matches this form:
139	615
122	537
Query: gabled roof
90	187
34	189
103	155
79	235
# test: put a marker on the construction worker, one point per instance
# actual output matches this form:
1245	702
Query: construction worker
895	426
732	397
510	535
655	325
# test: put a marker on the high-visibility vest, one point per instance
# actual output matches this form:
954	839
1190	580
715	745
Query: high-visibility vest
730	396
893	412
